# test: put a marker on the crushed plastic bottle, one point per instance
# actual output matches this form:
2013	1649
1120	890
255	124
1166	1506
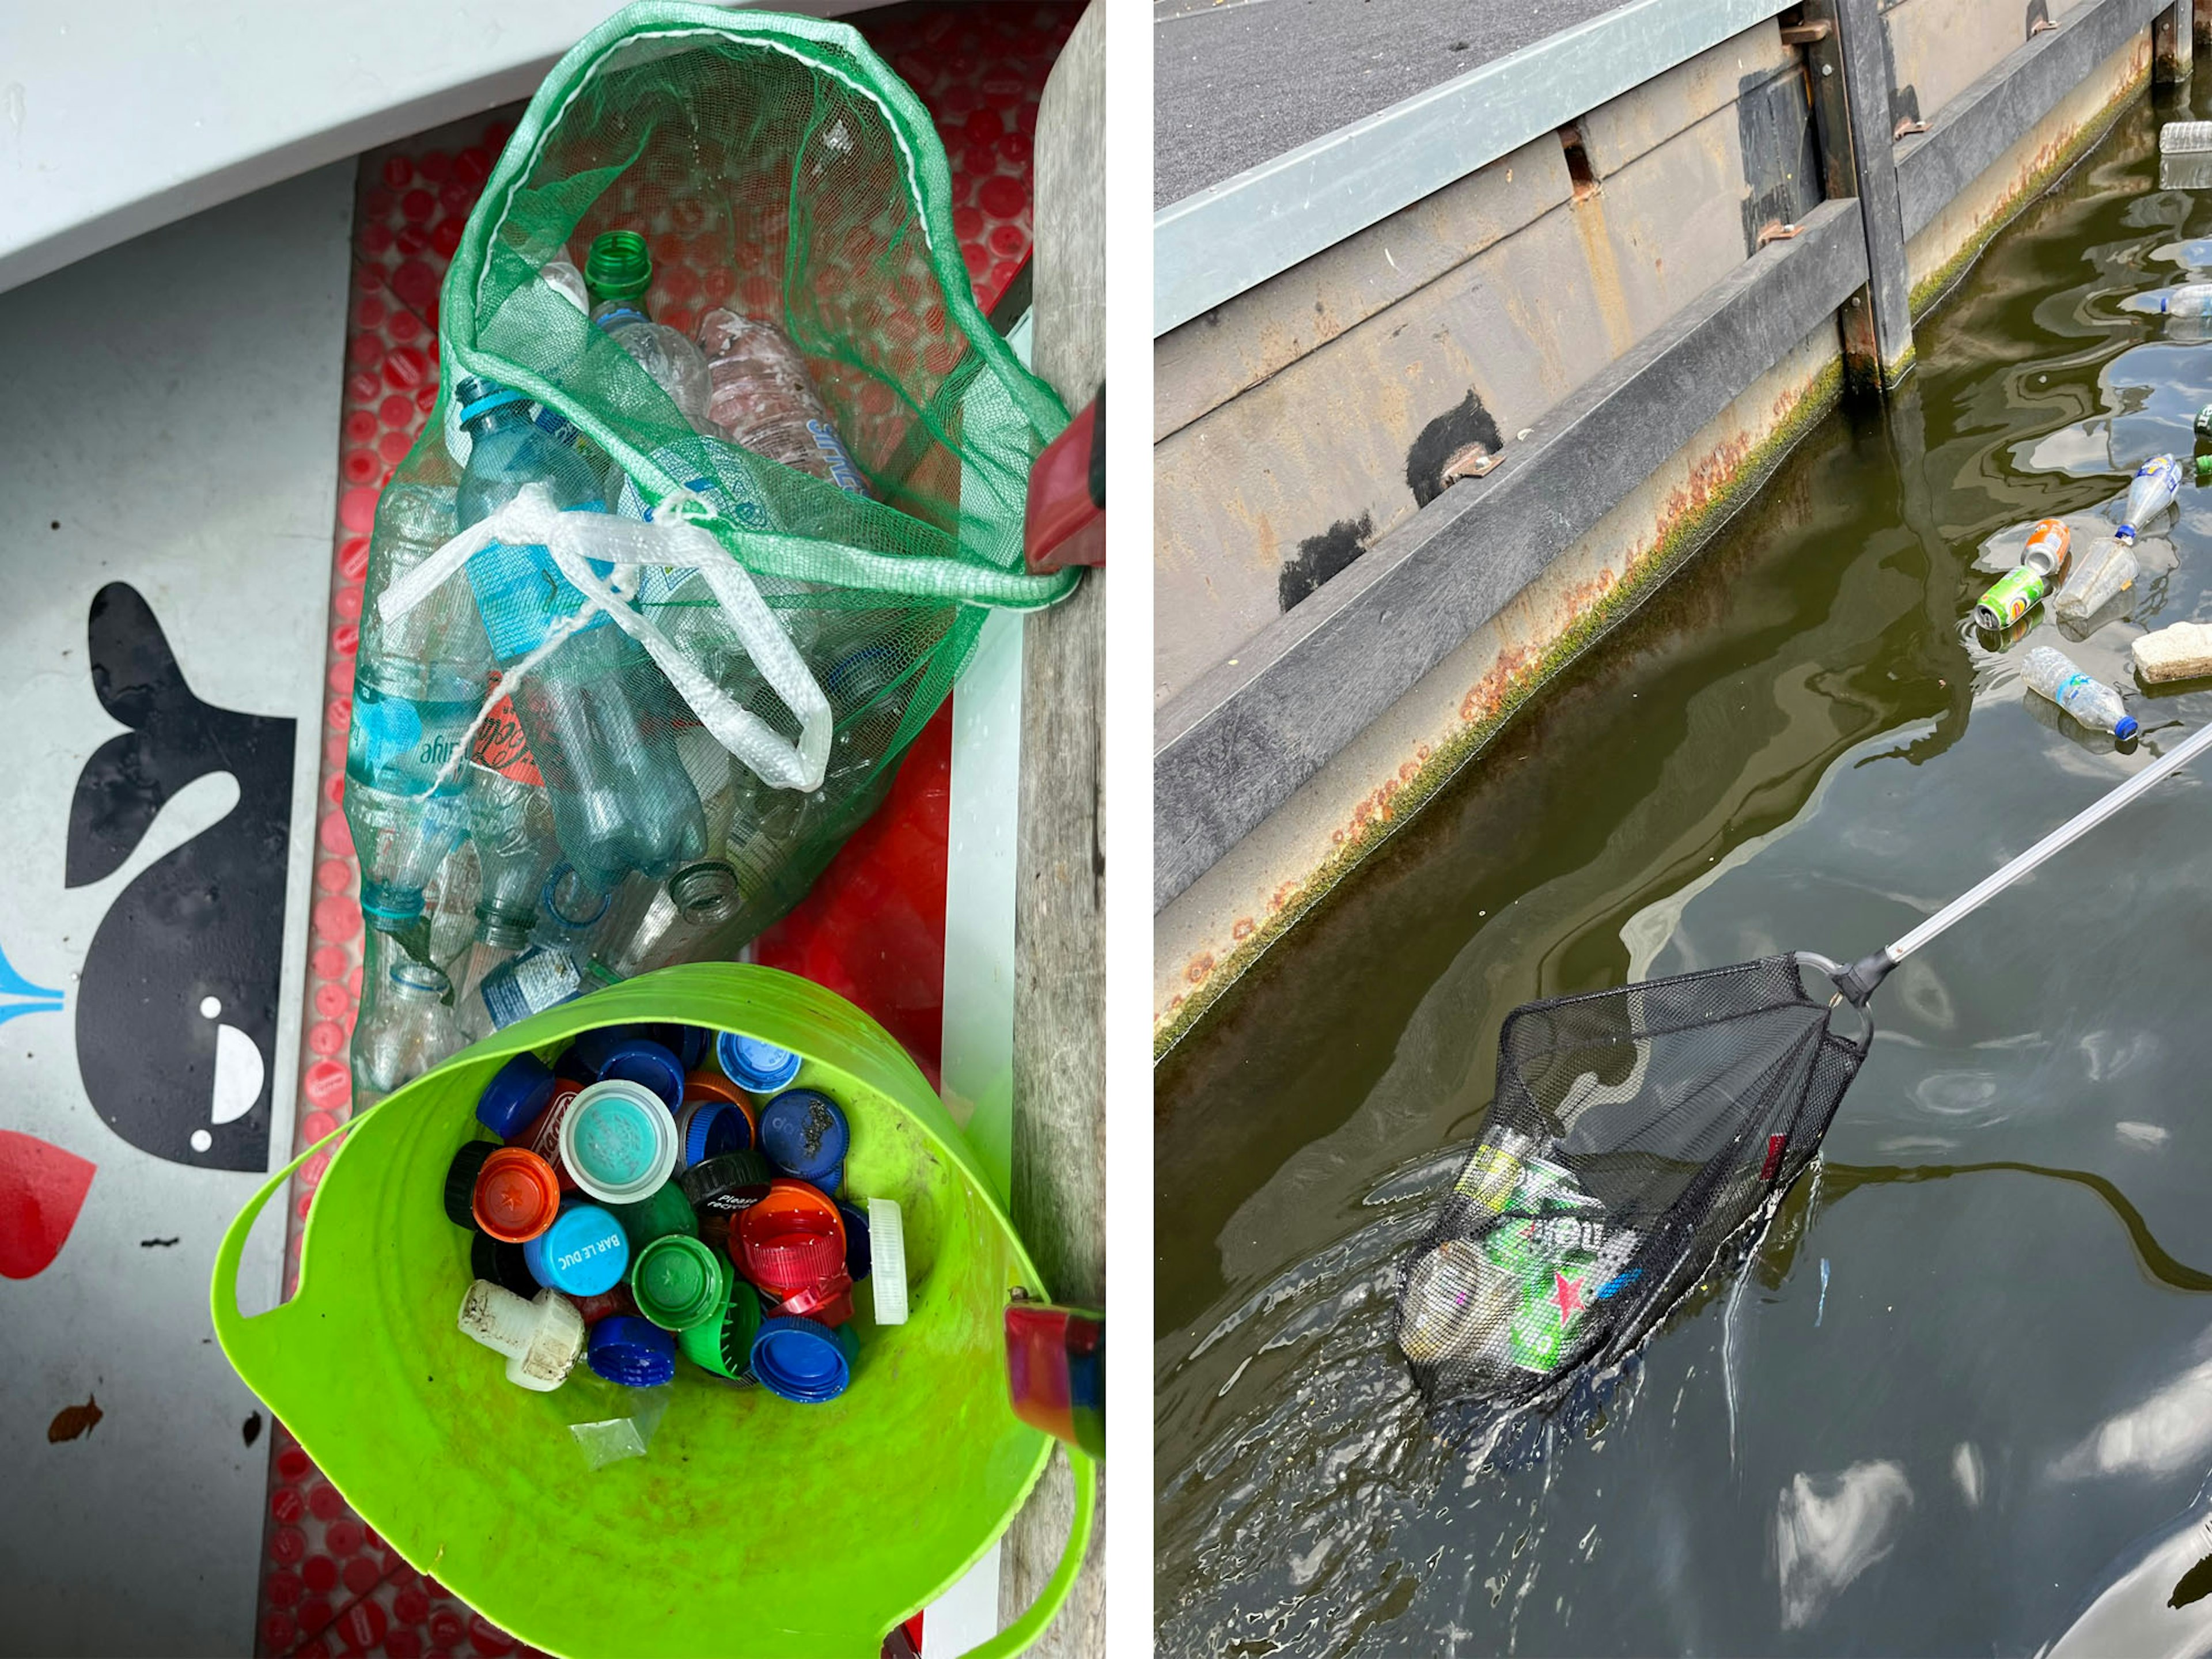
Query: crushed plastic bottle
2105	570
2156	483
617	272
764	399
620	796
417	683
2053	674
405	1026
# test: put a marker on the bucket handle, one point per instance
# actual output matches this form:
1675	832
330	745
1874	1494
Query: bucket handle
1017	1636
240	1333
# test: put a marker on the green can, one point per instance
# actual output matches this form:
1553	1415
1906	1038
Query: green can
2015	594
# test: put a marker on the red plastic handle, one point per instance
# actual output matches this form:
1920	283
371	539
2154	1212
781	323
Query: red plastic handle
1066	523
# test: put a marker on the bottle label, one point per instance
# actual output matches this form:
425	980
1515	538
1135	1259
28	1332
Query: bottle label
500	747
2073	686
530	984
836	458
400	744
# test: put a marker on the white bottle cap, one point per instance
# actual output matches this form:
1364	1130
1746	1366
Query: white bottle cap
887	1260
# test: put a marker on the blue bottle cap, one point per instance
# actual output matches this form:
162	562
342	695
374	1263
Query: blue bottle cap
585	1252
805	1133
517	1094
2127	728
688	1043
569	1069
755	1067
802	1359
641	1060
856	1239
633	1351
712	1127
591	1049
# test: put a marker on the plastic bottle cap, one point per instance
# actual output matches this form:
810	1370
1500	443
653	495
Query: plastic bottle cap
461	1184
543	1136
751	1064
679	1282
723	1346
791	1239
723	1187
607	1304
591	1050
643	1061
633	1351
517	1195
515	1096
802	1359
828	1301
666	1211
830	1185
711	1128
690	1045
505	1265
856	1240
887	1250
618	1142
805	1133
2127	728
702	1084
583	1253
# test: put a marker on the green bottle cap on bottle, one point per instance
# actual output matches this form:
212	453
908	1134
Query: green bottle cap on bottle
619	267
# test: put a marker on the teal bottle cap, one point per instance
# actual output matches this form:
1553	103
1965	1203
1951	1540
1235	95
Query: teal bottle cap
619	1141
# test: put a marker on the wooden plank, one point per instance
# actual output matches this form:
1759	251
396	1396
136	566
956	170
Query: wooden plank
1060	937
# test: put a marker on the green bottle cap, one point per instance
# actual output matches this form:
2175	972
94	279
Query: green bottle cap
665	1212
2204	462
679	1282
724	1344
619	267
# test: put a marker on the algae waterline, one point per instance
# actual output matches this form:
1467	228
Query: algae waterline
1937	1414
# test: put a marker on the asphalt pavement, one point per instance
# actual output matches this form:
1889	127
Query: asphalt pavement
1237	82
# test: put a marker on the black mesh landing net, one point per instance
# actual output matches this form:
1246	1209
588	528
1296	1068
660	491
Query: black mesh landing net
1634	1132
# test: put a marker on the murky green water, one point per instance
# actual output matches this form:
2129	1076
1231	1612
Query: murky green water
1949	1405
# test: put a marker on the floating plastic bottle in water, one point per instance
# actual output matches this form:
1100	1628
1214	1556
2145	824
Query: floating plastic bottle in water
2190	300
405	1027
2156	483
2184	138
620	796
417	686
2054	675
2105	570
764	399
617	272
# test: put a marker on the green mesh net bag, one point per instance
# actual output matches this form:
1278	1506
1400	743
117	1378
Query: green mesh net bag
765	187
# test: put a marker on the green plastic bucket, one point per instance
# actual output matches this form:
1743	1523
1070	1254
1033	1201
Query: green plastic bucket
754	1525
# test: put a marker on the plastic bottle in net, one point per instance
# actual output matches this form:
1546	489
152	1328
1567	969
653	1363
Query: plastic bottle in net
405	1026
620	797
554	965
2055	675
616	274
657	924
450	905
510	821
764	398
417	683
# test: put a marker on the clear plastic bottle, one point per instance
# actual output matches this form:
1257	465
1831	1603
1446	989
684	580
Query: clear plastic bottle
620	796
419	681
2105	571
2190	300
450	904
2153	490
764	399
507	982
405	1026
510	822
2054	675
617	272
654	924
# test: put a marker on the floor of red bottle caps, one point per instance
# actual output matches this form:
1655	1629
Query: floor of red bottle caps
158	1509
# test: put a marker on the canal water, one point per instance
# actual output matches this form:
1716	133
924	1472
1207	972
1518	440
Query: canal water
1961	1401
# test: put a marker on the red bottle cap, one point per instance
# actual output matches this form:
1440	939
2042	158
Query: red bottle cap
517	1196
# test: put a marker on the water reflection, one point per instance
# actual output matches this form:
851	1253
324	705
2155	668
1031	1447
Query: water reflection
1829	1529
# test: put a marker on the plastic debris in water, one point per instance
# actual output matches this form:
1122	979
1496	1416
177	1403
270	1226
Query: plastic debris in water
1820	1312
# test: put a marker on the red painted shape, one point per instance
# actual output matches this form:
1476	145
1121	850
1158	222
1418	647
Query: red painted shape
1774	1148
873	929
42	1187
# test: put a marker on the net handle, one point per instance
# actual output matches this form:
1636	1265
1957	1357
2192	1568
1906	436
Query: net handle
1858	982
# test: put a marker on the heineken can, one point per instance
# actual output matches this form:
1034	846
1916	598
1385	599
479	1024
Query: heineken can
1564	1266
2015	594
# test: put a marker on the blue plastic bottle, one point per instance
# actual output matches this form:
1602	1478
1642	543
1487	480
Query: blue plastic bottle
418	687
620	797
